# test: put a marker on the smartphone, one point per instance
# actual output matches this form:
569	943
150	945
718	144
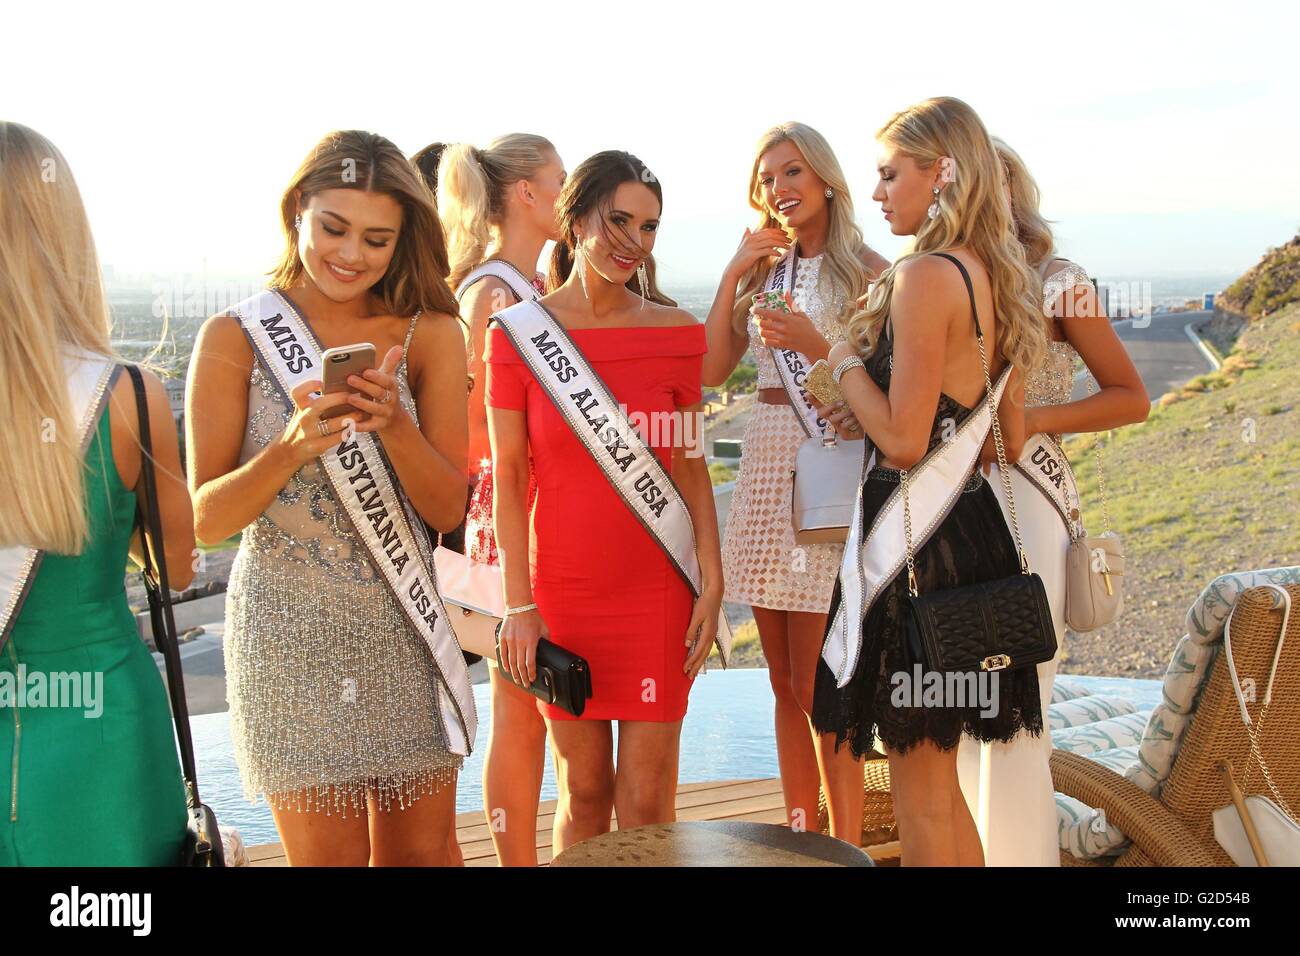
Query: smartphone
820	383
339	363
770	300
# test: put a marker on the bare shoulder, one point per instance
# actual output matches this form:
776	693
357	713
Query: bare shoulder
872	261
222	336
437	333
668	315
484	297
927	278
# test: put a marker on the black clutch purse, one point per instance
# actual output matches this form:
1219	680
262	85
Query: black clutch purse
203	847
563	678
1004	624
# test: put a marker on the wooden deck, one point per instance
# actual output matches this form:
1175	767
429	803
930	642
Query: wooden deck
757	801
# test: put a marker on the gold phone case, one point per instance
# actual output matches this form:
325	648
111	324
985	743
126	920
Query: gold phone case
820	384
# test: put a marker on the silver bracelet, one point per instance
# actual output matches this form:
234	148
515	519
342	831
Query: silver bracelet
851	362
520	609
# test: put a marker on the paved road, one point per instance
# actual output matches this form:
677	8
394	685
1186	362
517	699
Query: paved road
1165	357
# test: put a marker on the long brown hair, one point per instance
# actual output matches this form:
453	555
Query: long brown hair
590	188
416	278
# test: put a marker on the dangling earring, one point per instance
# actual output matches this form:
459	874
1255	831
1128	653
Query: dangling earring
297	221
580	265
643	281
933	211
830	193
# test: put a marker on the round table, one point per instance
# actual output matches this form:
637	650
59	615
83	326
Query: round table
712	843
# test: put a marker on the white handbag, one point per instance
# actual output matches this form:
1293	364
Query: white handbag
1254	830
475	601
826	478
1094	568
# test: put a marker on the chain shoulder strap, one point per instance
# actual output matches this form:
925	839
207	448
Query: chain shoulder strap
1255	728
1101	471
1003	470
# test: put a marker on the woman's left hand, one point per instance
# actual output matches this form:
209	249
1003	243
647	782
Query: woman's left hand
377	388
701	632
842	419
780	329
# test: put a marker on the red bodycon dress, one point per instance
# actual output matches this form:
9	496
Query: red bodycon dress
604	587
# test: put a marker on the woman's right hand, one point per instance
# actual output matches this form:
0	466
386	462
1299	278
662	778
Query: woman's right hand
303	438
518	640
755	246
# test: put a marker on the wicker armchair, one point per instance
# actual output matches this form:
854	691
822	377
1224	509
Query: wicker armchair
1175	828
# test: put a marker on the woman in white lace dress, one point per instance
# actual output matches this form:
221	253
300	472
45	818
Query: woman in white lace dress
1008	786
800	193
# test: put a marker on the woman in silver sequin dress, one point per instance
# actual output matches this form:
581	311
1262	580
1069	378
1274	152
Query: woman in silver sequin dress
334	698
1013	807
801	194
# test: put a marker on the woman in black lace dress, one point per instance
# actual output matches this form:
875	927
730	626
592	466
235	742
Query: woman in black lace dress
940	182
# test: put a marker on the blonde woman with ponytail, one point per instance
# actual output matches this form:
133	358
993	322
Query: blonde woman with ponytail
805	227
940	181
497	205
68	484
1009	785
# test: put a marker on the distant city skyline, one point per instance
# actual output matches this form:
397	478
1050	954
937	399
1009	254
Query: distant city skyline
1161	135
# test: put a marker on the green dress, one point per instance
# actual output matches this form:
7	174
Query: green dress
97	783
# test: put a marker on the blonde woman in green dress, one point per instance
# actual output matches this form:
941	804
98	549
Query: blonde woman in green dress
81	700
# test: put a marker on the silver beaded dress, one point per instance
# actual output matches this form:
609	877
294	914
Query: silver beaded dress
1053	382
332	694
761	564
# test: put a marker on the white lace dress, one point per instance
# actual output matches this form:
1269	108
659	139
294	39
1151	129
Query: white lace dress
761	563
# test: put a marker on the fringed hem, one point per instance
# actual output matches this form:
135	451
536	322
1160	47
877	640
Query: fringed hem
352	796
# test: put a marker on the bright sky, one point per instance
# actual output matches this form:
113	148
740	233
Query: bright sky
1163	135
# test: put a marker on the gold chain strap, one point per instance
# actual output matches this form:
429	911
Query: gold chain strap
1101	472
1003	470
1256	733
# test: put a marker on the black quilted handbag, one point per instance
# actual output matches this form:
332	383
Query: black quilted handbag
1004	624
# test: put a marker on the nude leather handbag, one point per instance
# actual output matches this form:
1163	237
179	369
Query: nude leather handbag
827	475
1094	570
474	599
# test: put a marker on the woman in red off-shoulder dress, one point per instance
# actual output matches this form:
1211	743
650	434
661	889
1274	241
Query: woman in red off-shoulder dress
602	586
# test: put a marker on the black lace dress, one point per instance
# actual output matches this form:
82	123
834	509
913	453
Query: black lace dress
971	545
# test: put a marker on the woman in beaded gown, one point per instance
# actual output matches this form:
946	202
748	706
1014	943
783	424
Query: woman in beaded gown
334	697
498	203
1008	786
802	197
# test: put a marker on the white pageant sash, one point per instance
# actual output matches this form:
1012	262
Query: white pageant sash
370	493
793	366
590	409
868	566
89	378
519	284
1044	463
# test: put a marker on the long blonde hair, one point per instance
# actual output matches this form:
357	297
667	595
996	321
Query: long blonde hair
472	186
848	277
973	213
1034	232
51	300
354	159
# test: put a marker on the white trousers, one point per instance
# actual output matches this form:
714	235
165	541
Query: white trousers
1008	786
